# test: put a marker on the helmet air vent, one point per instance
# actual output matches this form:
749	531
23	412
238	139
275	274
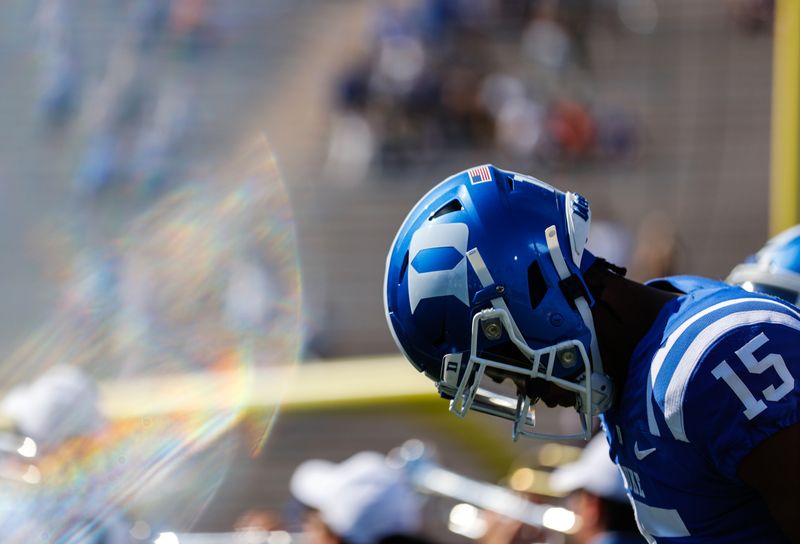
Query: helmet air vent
452	206
537	287
403	269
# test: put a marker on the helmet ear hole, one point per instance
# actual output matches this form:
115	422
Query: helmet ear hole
537	287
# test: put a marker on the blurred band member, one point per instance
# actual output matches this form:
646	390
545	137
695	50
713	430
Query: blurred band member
597	494
361	500
61	404
58	412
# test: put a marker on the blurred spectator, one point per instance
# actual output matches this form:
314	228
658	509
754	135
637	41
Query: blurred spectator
545	41
396	19
150	18
362	500
59	77
656	252
191	25
500	88
617	135
117	105
519	127
351	148
611	240
752	16
154	157
250	297
57	411
503	530
258	520
352	85
399	62
577	17
464	119
597	494
94	281
571	130
639	16
59	405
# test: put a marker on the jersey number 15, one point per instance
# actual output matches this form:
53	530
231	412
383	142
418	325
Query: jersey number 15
754	406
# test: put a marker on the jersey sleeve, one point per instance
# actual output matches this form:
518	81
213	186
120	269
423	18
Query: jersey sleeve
744	387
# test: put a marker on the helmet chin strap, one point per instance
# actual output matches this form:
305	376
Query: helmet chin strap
600	387
551	235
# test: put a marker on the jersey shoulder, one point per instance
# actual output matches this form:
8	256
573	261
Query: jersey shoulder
685	283
724	374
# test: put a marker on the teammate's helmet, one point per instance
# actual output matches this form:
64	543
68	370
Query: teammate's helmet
775	269
484	279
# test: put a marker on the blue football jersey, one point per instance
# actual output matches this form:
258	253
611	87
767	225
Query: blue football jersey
715	376
685	283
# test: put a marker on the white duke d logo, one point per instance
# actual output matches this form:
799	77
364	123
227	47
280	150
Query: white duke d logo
437	267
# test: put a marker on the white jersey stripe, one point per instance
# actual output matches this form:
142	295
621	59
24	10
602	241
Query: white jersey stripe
659	522
661	355
676	390
651	417
663	351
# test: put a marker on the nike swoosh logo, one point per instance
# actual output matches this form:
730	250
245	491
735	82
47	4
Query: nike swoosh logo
641	454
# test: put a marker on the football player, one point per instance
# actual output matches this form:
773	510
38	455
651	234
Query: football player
490	292
775	269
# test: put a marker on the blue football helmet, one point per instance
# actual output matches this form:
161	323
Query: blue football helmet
775	269
485	280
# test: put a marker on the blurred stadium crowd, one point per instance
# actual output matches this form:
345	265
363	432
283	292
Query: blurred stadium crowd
516	76
135	119
511	76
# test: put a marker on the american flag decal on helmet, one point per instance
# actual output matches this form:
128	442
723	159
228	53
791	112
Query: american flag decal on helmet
479	174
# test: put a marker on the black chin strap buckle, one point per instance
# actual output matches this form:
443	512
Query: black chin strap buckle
573	288
618	270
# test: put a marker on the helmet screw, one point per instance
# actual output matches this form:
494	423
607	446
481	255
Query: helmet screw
492	329
556	319
500	289
567	358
